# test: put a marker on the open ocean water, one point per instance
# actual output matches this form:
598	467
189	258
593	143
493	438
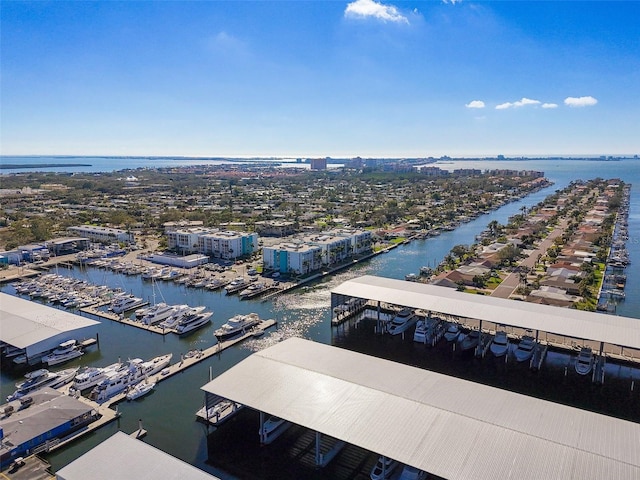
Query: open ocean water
169	412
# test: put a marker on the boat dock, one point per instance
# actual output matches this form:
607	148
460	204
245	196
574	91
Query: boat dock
94	310
107	414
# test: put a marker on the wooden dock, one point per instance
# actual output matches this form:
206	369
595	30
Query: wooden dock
94	310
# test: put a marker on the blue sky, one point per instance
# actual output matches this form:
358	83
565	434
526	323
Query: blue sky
320	78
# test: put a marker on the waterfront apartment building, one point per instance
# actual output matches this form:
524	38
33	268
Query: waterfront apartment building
312	252
213	242
296	258
102	234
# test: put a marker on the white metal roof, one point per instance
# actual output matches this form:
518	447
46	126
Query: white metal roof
121	457
25	323
450	427
612	329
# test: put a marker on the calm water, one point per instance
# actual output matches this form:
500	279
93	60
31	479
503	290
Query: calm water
169	413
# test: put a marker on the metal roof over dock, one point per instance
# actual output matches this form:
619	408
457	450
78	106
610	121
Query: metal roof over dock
611	329
39	328
121	456
452	428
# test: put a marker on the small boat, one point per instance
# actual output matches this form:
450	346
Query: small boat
66	351
236	325
253	290
140	389
452	333
383	468
404	319
470	340
500	344
525	348
584	362
272	429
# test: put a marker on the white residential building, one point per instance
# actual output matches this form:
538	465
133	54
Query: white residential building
292	257
213	242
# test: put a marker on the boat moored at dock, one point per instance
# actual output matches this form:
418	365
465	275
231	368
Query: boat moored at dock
236	325
65	352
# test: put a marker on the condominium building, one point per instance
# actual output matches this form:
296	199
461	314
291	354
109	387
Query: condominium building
102	234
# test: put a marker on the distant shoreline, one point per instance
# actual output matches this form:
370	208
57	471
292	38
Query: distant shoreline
15	166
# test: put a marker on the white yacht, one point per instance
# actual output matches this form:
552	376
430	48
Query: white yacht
403	320
66	351
253	290
180	311
236	325
236	285
91	376
272	429
428	330
192	322
119	380
158	313
584	362
383	468
525	348
126	303
42	378
500	344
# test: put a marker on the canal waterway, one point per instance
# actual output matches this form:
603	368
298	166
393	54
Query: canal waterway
169	412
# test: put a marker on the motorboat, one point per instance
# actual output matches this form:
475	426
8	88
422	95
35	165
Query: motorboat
428	330
584	362
253	290
469	341
126	303
236	285
158	313
91	376
383	468
180	311
42	378
404	319
525	348
452	333
140	389
272	429
66	351
192	322
237	324
412	473
500	344
119	380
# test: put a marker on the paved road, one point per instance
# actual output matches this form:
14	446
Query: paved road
509	284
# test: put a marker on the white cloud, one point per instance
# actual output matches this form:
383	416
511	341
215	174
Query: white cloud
520	103
227	44
369	8
451	2
475	104
549	105
580	101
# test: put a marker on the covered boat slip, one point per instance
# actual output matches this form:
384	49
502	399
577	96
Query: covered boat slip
449	427
37	328
612	330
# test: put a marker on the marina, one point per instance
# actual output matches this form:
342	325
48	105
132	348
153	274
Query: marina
359	338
